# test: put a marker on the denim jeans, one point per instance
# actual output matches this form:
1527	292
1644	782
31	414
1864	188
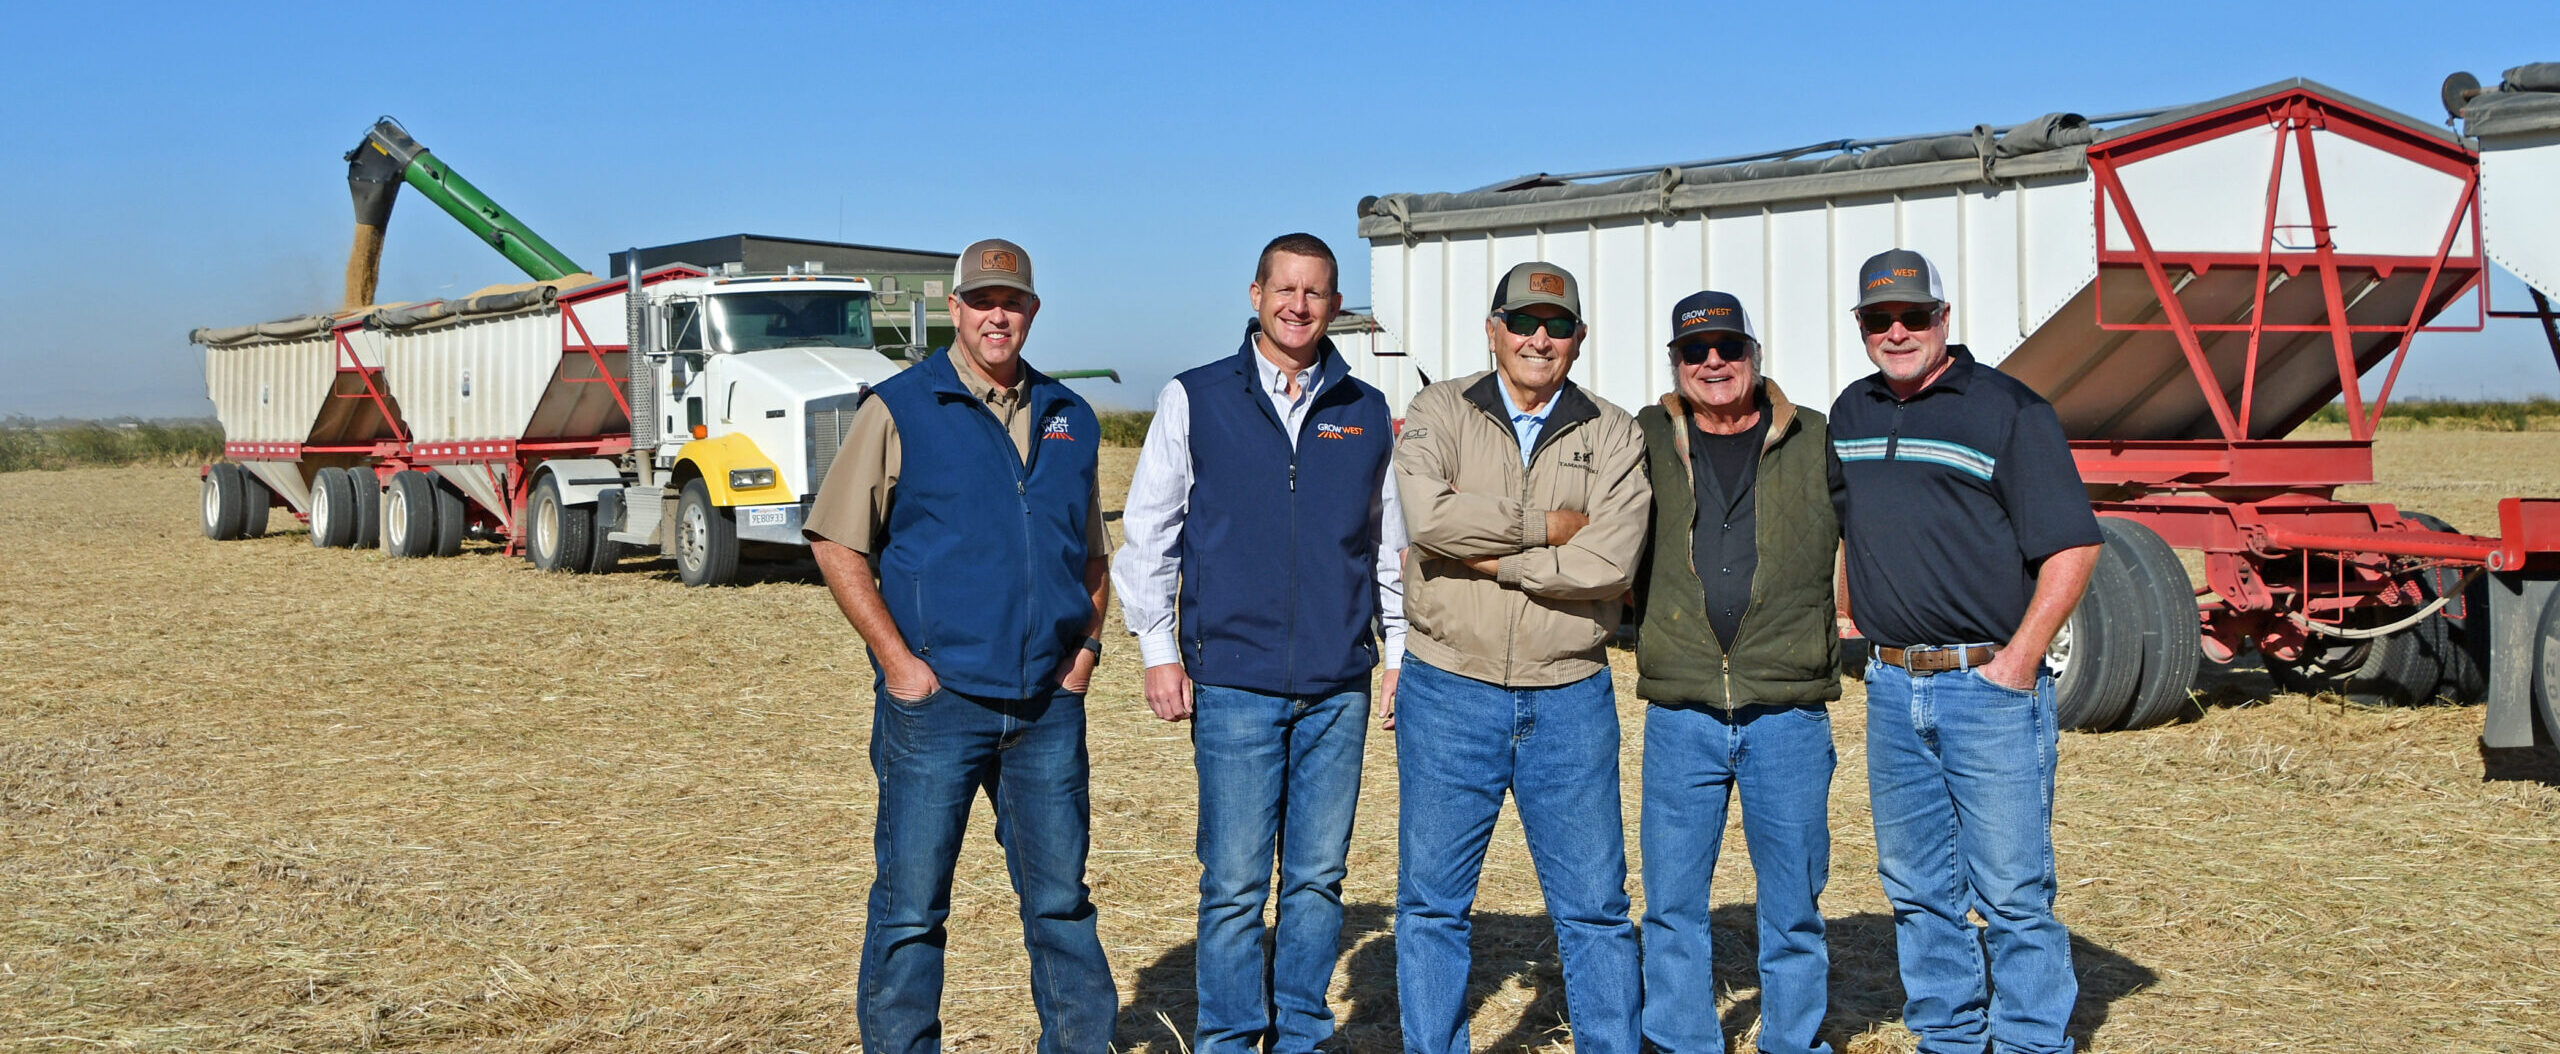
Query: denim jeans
1460	745
1960	771
1279	774
1779	758
932	758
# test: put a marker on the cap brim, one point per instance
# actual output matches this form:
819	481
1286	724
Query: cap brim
1896	296
986	281
1521	302
1704	331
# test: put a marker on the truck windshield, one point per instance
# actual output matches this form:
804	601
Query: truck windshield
758	321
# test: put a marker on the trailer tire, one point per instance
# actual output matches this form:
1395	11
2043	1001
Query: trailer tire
333	498
2097	657
366	510
2546	666
558	536
706	539
409	514
449	520
605	556
256	502
2386	671
2172	641
224	505
2458	636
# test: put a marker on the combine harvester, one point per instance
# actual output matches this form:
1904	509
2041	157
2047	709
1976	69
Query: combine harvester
514	414
2188	286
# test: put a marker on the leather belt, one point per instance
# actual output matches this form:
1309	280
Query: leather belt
1936	660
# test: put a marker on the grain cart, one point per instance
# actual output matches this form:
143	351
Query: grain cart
2186	285
520	416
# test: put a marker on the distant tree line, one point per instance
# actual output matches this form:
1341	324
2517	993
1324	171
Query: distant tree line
2538	414
59	445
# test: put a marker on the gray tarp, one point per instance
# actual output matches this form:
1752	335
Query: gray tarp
301	327
2528	101
2049	145
2052	145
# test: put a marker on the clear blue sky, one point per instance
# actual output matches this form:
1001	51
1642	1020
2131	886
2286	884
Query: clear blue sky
171	166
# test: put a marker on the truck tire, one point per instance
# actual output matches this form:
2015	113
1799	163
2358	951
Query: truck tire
256	502
2172	641
2458	637
2097	657
449	520
706	539
333	499
409	514
606	554
366	518
558	536
223	504
2546	666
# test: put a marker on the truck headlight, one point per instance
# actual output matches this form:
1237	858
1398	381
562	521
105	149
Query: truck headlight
750	478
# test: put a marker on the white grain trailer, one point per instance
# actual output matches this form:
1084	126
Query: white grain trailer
2516	127
520	419
2187	286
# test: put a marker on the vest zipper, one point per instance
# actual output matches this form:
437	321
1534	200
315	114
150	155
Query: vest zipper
1728	679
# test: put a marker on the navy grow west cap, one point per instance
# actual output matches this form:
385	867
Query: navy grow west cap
1708	311
1899	276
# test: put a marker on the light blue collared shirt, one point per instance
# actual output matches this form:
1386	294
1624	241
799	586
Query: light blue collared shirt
1525	425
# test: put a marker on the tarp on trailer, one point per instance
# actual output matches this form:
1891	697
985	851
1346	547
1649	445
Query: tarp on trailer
2046	146
2527	100
295	328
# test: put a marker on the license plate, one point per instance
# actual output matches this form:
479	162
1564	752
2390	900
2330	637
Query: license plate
769	516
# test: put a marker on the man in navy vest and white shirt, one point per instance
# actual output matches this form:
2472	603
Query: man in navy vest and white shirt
1261	540
961	533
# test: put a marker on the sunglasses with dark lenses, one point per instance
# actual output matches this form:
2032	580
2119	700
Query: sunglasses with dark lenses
1730	349
1914	319
1522	323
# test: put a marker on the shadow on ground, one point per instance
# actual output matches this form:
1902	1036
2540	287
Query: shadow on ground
1866	988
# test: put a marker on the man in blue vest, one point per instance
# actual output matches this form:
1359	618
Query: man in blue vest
972	561
1263	538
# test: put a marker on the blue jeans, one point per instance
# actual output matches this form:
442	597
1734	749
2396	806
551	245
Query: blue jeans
1960	771
1460	744
1278	774
932	758
1779	758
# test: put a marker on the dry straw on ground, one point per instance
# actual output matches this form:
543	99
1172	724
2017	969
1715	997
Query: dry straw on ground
260	796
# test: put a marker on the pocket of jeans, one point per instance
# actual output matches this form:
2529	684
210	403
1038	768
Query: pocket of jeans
914	705
1820	715
2027	694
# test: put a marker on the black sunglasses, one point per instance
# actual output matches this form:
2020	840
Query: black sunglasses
1730	349
1522	323
1914	319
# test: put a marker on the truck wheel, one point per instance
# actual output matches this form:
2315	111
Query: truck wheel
224	510
409	514
449	521
332	509
2172	641
256	501
2458	637
2546	666
706	539
558	536
605	556
365	512
2097	657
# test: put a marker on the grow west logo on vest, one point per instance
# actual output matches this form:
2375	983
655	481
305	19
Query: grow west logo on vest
1055	427
1333	431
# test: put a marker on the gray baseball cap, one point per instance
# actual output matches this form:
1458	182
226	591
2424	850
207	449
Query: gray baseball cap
1899	276
1538	282
992	261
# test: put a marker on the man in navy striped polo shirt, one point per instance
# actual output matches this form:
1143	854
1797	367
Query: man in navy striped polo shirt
1969	540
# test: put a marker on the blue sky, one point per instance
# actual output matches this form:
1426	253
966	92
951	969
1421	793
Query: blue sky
170	166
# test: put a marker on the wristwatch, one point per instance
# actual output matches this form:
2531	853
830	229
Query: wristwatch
1094	645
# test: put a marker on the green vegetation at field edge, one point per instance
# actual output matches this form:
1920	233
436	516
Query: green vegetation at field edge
2541	413
93	443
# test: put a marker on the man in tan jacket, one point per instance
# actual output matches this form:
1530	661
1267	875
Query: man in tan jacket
1526	501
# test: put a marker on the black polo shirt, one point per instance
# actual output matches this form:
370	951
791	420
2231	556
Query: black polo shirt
1948	500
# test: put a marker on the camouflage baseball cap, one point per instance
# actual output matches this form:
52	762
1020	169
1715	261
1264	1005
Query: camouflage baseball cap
990	262
1538	282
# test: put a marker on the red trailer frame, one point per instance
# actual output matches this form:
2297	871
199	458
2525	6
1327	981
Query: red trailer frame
2283	557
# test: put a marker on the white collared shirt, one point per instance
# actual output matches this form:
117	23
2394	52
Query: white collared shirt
1147	570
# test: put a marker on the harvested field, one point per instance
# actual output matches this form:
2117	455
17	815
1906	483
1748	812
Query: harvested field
260	796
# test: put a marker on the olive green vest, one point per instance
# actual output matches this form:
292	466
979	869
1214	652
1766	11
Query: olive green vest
1787	649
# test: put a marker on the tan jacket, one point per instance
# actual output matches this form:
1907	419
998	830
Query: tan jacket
1542	621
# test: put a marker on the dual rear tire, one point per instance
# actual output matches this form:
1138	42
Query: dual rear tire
2128	656
421	517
